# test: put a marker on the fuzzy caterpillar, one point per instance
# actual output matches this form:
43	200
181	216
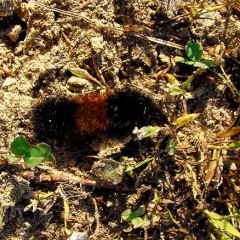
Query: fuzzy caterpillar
115	113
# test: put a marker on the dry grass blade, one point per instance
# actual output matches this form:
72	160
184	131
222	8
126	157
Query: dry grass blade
210	173
181	121
159	41
65	206
230	132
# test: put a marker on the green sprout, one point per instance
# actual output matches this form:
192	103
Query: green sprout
222	225
140	218
194	57
131	166
1	215
172	147
194	53
134	217
31	154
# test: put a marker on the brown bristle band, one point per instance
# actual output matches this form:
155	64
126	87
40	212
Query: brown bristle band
91	115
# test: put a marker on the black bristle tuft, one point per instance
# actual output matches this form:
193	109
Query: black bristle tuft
54	118
130	108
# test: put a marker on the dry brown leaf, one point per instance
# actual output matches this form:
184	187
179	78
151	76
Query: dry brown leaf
66	211
193	181
210	173
230	132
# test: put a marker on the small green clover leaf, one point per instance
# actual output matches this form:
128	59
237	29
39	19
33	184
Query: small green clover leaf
134	216
33	161
194	51
140	219
34	151
44	148
31	154
137	222
172	147
20	146
50	158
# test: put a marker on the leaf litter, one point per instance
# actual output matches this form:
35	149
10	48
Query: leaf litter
185	175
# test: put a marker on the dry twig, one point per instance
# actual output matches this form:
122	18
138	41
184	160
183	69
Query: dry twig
94	236
8	73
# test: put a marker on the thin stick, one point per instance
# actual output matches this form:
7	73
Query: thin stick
159	41
96	218
6	72
59	176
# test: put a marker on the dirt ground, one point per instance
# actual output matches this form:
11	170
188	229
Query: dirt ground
192	169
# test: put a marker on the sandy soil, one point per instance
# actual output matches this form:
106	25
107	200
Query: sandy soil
38	45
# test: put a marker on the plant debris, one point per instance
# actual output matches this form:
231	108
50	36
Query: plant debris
175	180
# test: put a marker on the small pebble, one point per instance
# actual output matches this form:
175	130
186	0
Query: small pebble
14	33
9	81
76	84
108	170
78	236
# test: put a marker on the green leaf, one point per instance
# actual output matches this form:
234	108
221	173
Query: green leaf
194	51
127	215
13	159
183	120
151	130
223	236
33	161
82	73
176	90
20	146
50	158
139	212
172	147
234	145
201	64
44	148
186	83
218	221
34	152
208	62
129	169
1	215
137	222
183	60
144	132
32	155
79	72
